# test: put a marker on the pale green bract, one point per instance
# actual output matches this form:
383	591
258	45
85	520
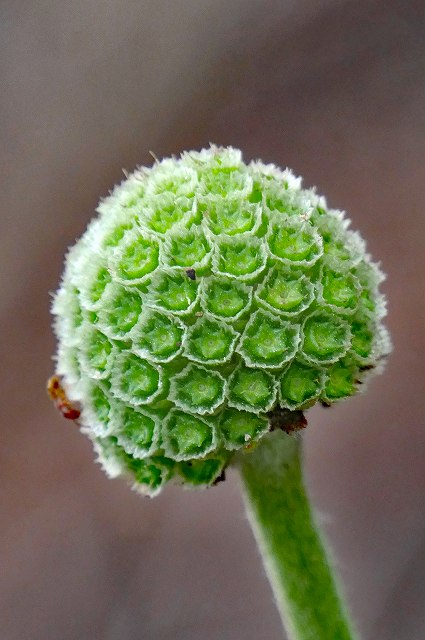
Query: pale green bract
205	295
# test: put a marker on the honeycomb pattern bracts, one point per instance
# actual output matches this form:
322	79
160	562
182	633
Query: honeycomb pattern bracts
206	294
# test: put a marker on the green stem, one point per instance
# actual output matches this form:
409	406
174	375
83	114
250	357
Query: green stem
293	553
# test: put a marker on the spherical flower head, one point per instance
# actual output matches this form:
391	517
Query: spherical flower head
207	296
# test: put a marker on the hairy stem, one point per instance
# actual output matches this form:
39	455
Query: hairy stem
293	553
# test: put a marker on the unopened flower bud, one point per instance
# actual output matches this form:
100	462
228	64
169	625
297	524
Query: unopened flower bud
206	295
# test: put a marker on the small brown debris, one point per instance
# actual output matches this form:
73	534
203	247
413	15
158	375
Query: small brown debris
220	478
286	420
367	367
191	273
57	393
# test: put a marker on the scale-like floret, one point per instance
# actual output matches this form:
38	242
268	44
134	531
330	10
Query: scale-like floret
207	296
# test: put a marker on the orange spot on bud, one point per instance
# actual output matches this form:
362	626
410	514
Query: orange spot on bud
57	394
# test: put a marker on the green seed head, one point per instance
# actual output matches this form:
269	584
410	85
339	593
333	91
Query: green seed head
207	294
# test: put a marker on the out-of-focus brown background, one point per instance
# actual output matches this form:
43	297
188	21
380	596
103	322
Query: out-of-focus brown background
333	89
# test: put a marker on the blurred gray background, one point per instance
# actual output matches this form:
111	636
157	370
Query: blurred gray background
333	89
